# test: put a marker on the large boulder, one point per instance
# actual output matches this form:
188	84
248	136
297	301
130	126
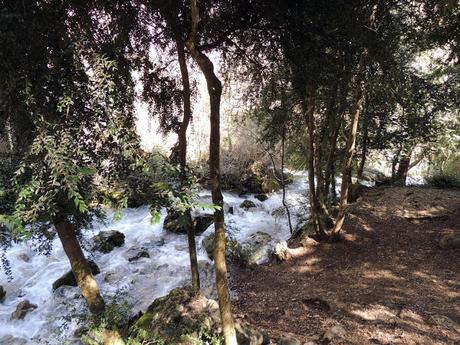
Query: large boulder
451	241
256	249
22	309
2	294
106	241
69	278
184	317
231	247
181	317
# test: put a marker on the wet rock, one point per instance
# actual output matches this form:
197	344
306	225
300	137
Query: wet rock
2	294
22	309
231	248
289	341
261	197
106	241
181	317
24	257
255	248
175	222
202	222
69	278
10	340
231	210
247	204
140	254
334	332
451	241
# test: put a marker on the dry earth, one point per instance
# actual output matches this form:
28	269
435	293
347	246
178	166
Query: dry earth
388	282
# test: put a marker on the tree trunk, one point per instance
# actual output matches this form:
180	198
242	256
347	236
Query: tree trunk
283	182
314	204
403	169
351	142
215	91
362	163
80	267
182	134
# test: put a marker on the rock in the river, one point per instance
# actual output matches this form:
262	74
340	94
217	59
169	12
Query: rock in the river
231	248
24	257
181	317
140	254
106	241
261	197
334	332
2	294
69	278
451	241
202	222
255	248
247	204
175	222
10	340
22	309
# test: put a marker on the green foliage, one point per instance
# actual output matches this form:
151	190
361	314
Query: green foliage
444	180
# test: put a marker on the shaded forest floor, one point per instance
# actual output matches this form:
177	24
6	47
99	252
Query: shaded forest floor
388	282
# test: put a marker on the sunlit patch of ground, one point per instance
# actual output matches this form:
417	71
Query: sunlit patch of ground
387	283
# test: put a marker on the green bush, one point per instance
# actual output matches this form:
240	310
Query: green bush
444	180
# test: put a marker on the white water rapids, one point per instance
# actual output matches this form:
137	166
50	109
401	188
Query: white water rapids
138	282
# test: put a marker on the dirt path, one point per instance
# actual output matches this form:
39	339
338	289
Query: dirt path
387	283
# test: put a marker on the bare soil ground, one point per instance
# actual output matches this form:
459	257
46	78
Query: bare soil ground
388	282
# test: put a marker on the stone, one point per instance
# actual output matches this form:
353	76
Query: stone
231	248
141	254
334	332
231	210
441	320
248	335
261	197
181	317
2	294
451	241
256	248
247	204
202	222
10	340
106	241
24	257
174	222
69	278
289	341
22	309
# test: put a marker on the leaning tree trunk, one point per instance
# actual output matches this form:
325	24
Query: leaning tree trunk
283	181
80	266
182	134
215	91
350	149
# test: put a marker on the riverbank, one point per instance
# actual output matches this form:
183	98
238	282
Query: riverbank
388	282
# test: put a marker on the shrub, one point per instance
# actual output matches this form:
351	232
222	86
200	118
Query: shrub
444	180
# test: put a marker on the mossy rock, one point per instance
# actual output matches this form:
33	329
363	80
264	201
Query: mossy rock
232	247
255	249
106	241
261	197
182	317
355	190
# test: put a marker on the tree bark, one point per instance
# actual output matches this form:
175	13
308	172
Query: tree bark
80	266
215	91
283	182
182	134
314	204
350	149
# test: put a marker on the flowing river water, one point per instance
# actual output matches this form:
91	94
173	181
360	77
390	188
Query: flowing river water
58	313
